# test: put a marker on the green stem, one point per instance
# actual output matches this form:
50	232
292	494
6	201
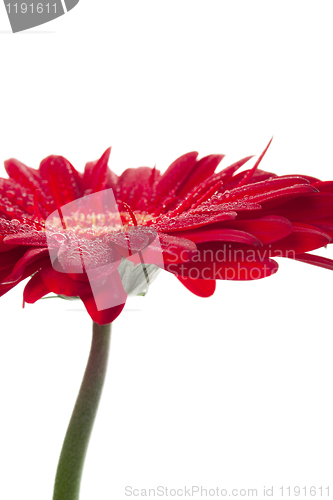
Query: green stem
71	462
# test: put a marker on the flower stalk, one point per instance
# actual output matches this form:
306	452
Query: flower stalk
71	462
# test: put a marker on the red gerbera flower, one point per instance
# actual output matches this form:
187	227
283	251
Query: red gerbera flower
209	225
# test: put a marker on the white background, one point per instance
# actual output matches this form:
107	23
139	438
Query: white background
234	391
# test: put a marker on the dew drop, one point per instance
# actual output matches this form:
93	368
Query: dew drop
58	237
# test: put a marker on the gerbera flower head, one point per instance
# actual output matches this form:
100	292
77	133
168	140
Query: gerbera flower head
100	237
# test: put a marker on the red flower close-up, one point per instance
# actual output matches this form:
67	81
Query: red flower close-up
224	225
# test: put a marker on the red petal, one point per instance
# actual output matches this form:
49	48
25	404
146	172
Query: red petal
325	225
200	287
35	289
16	206
306	207
304	238
132	186
176	249
258	176
176	174
200	191
20	200
36	239
259	191
103	317
279	196
246	179
234	235
315	260
26	176
201	170
228	172
5	247
97	175
4	273
112	292
324	186
266	229
8	259
29	270
32	181
307	177
190	220
30	256
62	284
64	181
